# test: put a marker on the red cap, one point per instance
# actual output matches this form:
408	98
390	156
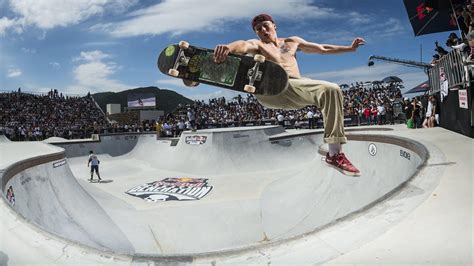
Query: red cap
260	18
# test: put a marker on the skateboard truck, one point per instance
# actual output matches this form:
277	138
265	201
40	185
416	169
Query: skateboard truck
254	74
181	60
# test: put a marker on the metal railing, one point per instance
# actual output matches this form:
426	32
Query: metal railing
452	68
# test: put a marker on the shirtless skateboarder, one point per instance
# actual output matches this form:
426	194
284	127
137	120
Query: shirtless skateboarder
302	91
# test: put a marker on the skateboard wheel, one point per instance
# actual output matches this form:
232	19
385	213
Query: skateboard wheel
249	88
190	83
259	58
183	45
173	72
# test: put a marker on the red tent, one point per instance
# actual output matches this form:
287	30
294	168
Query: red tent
423	87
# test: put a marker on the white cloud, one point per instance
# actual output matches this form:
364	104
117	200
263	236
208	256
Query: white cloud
6	24
14	72
48	14
55	65
28	50
181	16
94	74
391	27
91	56
99	43
357	19
372	30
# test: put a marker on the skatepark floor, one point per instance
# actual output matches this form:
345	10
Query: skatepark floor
429	221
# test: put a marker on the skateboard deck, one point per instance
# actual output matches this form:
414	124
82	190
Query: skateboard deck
241	73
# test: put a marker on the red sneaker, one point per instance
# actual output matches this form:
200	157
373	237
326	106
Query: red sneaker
342	164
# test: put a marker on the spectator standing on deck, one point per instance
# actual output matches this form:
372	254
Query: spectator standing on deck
281	119
431	113
373	114
381	112
470	39
366	114
310	116
191	118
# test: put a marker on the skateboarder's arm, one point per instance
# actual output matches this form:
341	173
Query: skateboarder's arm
238	47
311	47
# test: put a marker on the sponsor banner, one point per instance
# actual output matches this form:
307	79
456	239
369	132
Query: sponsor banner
463	99
24	179
196	140
405	154
10	196
182	189
350	120
238	136
59	163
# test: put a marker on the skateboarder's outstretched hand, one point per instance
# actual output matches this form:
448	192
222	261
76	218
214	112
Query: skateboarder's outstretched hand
357	42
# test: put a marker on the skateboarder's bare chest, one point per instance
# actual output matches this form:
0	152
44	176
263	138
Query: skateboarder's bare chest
283	54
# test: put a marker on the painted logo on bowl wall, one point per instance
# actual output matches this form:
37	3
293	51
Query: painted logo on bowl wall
59	163
10	196
196	140
372	149
174	188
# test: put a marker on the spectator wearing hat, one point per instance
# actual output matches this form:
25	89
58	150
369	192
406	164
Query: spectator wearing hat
470	39
453	40
435	59
440	50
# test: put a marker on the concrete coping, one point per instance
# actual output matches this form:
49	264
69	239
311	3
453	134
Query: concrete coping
22	165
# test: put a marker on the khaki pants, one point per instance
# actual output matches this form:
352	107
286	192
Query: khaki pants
325	95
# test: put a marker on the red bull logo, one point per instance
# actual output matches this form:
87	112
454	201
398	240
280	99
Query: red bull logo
174	188
196	140
422	11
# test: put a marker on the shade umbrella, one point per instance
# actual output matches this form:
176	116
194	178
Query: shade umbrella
344	86
423	87
390	79
431	16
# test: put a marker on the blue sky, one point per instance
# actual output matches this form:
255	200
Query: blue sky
77	46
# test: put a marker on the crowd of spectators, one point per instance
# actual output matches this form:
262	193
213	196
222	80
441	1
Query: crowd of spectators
26	116
372	103
367	103
464	16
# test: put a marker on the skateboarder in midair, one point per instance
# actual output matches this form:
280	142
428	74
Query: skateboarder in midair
302	91
94	163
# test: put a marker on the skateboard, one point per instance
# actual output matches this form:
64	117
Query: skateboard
195	65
